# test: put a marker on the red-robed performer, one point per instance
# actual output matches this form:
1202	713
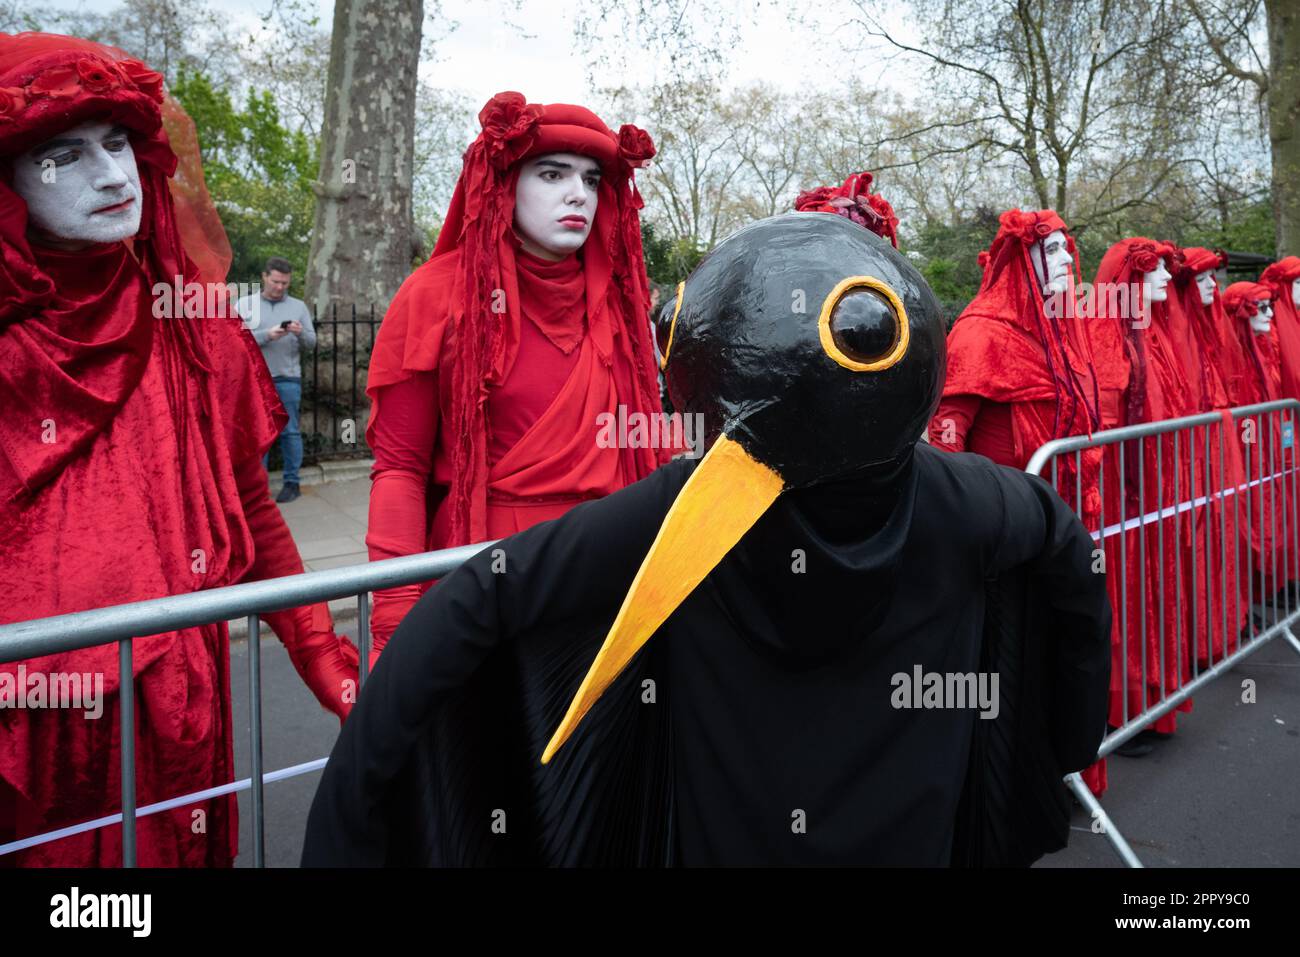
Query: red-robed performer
130	455
1283	278
1020	371
503	357
1210	352
1148	561
1268	508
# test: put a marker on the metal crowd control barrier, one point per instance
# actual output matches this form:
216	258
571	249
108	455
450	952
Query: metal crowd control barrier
1217	524
1255	474
122	623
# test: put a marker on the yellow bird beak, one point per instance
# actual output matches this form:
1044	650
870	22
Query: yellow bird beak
728	492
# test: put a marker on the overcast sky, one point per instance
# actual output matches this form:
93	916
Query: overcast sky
535	52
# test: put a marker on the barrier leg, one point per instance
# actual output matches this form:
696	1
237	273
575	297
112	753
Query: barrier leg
1291	639
126	728
1097	813
255	737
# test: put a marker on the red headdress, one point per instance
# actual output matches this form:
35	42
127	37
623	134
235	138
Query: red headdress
853	200
1240	303
1282	274
47	84
478	232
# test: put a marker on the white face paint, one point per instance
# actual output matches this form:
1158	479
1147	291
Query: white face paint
81	187
1155	284
1052	261
555	203
1295	292
1206	284
1262	320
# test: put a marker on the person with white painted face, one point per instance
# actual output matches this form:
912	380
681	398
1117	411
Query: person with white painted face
500	356
130	454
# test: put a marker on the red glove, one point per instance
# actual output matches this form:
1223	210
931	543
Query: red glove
326	662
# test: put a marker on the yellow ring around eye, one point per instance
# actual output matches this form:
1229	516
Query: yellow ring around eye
681	287
902	335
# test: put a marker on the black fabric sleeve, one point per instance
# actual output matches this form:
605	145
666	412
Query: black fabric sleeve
1041	536
577	566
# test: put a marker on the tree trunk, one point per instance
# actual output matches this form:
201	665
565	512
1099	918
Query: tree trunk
1283	117
361	241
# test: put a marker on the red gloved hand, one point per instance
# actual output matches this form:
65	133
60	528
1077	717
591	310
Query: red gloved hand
326	662
390	607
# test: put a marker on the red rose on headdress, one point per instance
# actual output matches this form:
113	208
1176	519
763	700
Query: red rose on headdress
1144	257
95	77
12	100
1024	226
812	199
882	209
60	81
635	146
144	79
509	127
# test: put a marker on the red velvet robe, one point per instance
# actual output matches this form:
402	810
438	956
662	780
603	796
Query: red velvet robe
1224	602
151	485
1268	509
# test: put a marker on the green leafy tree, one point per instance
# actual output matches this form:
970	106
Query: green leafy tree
258	172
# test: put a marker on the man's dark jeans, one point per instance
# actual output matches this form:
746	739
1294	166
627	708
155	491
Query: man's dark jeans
290	392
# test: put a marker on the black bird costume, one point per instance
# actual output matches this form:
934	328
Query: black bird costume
769	604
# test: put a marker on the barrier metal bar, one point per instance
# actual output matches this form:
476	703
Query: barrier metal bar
84	629
126	728
171	804
123	623
363	639
1098	813
255	734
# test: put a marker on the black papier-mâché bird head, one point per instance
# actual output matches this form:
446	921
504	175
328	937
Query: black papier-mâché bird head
814	350
811	342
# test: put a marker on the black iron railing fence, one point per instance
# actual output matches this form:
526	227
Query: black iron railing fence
334	408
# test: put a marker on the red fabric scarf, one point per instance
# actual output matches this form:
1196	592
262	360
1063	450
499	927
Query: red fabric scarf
553	295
